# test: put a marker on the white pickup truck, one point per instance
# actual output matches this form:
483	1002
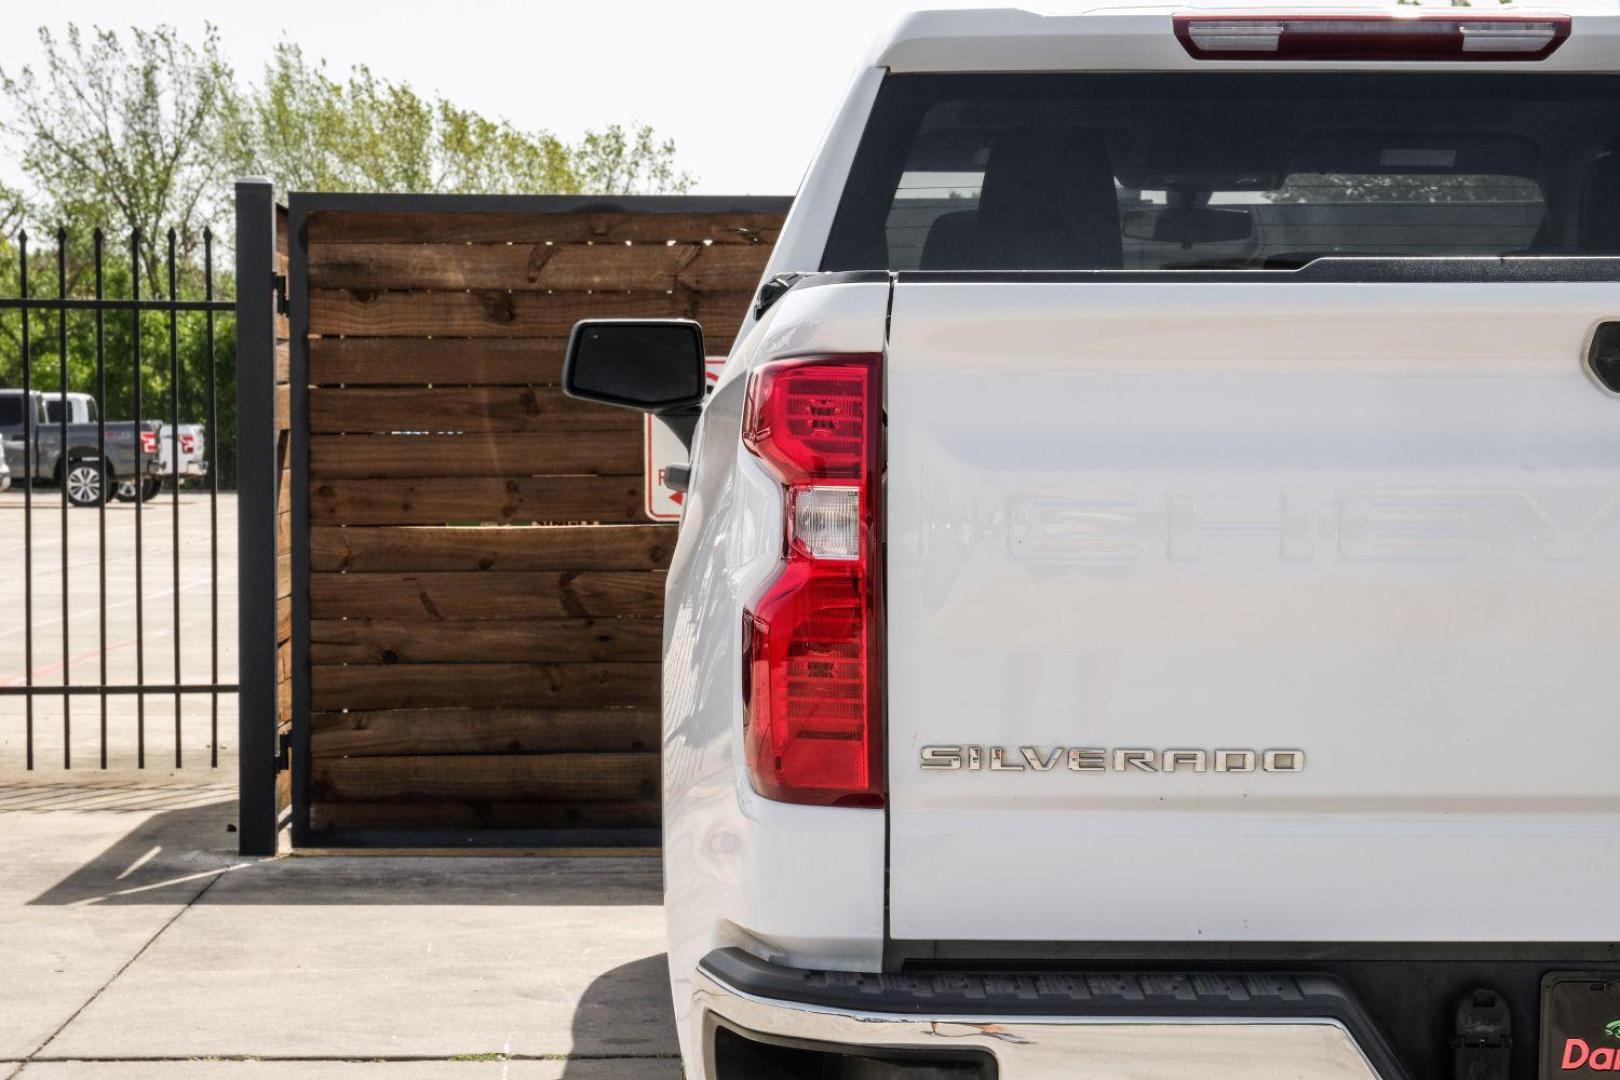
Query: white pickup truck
1148	601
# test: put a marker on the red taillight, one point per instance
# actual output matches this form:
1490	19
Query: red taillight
1371	37
149	442
812	642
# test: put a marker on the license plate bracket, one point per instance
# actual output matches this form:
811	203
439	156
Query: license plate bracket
1580	1023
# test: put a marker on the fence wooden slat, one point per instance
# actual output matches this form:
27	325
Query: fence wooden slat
500	314
431	686
598	453
539	267
382	411
440	361
538	594
408	227
384	641
535	267
519	500
447	362
725	268
484	731
493	776
496	814
549	547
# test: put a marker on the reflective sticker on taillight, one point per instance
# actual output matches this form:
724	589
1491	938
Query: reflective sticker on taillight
812	642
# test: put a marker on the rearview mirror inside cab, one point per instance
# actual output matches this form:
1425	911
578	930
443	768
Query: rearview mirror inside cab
1188	225
654	365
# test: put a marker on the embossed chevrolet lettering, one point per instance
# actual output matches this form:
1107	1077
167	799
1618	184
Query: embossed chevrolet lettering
968	757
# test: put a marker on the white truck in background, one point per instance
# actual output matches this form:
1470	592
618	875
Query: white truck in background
192	440
1146	602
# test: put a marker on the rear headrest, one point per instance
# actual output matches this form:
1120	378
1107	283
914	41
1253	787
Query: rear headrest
1600	208
1048	203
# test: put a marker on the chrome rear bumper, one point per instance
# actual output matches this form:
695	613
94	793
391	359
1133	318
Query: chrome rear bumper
1063	1034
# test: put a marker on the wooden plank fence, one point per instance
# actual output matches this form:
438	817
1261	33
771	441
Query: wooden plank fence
484	596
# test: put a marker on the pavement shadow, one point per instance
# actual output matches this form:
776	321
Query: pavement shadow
167	858
171	855
625	1016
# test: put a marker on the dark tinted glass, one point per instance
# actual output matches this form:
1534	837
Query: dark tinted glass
11	414
1038	172
54	411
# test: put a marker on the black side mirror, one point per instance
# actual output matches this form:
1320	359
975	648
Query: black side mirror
651	365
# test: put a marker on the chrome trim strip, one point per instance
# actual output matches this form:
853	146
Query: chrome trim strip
1048	1048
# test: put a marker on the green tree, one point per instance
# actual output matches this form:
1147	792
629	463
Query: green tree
12	212
309	131
124	137
146	132
634	162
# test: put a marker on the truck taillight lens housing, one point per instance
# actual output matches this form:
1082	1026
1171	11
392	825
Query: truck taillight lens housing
149	442
1452	36
813	641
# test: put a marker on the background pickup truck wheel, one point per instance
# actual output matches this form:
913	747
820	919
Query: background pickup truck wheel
86	482
125	490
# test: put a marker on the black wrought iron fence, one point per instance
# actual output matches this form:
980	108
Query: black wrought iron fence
88	344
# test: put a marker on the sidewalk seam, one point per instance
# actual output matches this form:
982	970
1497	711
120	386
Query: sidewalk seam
114	977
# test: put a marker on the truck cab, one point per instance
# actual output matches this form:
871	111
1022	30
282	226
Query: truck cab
65	441
188	443
1144	606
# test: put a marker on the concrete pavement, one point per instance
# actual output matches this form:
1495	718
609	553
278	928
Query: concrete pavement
134	944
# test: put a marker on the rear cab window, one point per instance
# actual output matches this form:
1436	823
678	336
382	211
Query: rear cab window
1228	171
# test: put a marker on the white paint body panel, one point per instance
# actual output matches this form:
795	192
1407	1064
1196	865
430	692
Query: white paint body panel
1377	522
802	884
1140	39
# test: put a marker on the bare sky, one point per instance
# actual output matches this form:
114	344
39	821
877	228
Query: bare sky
745	87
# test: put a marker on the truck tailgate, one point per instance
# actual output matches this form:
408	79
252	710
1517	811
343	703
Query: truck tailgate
1375	523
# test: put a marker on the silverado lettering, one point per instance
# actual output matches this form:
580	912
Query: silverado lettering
1088	759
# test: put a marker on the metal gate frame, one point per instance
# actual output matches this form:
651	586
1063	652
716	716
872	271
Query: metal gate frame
259	298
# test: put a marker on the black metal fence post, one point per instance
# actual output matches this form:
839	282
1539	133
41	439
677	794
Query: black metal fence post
256	513
29	470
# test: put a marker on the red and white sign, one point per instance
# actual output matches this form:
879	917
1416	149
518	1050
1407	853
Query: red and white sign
663	449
